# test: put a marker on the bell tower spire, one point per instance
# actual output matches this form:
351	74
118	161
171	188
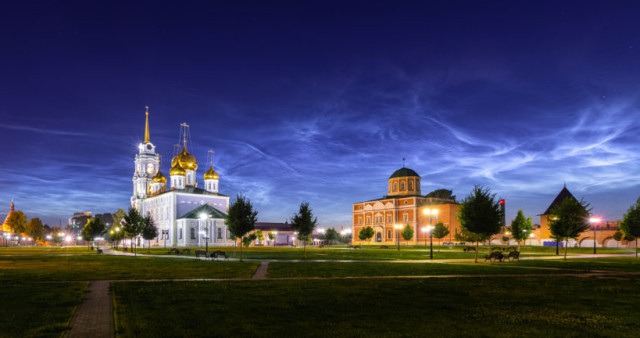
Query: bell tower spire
147	139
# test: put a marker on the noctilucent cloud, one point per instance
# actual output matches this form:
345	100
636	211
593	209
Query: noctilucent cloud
320	101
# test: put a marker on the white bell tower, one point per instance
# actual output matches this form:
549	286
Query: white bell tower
147	164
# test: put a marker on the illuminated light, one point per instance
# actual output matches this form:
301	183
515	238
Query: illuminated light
532	235
397	226
502	201
68	238
595	220
203	216
49	237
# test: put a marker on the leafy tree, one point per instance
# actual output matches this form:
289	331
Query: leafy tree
304	222
617	236
259	235
480	214
246	241
520	228
440	231
94	228
149	231
630	225
569	219
331	235
271	236
241	218
118	217
442	193
35	229
17	222
366	233
407	232
132	226
505	239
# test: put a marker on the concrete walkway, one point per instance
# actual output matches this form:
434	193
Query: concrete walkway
261	273
94	317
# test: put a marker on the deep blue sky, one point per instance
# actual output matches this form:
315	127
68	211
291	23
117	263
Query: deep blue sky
320	102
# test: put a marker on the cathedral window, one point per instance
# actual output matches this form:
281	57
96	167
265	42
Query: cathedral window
150	168
180	233
388	233
368	220
410	185
219	233
406	218
389	219
395	186
193	233
401	186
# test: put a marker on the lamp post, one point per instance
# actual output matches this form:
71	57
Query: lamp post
398	227
205	233
594	222
431	213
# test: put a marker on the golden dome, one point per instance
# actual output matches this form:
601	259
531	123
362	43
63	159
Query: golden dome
186	160
177	170
159	178
211	174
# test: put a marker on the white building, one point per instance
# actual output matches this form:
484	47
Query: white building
184	214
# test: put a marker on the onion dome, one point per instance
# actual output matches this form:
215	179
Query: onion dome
177	170
159	178
185	160
211	174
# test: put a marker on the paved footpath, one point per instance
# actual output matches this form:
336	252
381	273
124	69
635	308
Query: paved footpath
94	317
261	272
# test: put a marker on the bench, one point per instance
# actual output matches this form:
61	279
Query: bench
494	256
201	253
469	249
99	251
514	255
218	254
174	251
186	251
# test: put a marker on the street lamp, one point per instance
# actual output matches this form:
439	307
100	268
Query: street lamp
431	213
429	229
398	227
594	221
205	233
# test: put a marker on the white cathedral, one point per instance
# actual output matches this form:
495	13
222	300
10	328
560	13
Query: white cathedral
184	214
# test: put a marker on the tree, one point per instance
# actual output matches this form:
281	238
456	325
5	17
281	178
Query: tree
35	229
407	232
440	231
94	228
366	233
17	222
505	239
480	214
442	194
304	222
569	219
118	217
241	218
630	225
618	237
246	241
149	230
132	226
259	236
330	235
520	228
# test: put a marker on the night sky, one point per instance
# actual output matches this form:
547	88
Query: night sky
320	101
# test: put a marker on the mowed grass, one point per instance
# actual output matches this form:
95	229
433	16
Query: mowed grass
452	307
618	264
313	269
98	267
46	250
36	309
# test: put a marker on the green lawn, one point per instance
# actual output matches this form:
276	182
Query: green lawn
312	269
36	309
627	264
485	307
46	250
97	267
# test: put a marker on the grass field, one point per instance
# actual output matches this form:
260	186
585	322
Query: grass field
36	309
97	267
551	306
627	264
46	250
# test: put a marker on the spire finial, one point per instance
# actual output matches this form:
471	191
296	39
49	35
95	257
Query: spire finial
211	152
147	138
184	125
403	162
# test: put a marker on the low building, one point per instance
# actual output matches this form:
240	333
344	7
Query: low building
403	204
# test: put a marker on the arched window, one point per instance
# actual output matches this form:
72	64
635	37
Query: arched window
410	185
180	233
395	186
219	233
388	233
193	233
401	186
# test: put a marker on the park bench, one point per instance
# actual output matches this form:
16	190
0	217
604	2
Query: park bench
186	251
218	254
514	255
99	251
384	247
494	256
469	248
201	253
174	251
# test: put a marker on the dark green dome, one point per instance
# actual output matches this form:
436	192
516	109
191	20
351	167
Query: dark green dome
404	172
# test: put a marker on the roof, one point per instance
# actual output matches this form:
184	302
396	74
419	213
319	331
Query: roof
190	190
204	209
564	193
268	226
404	172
